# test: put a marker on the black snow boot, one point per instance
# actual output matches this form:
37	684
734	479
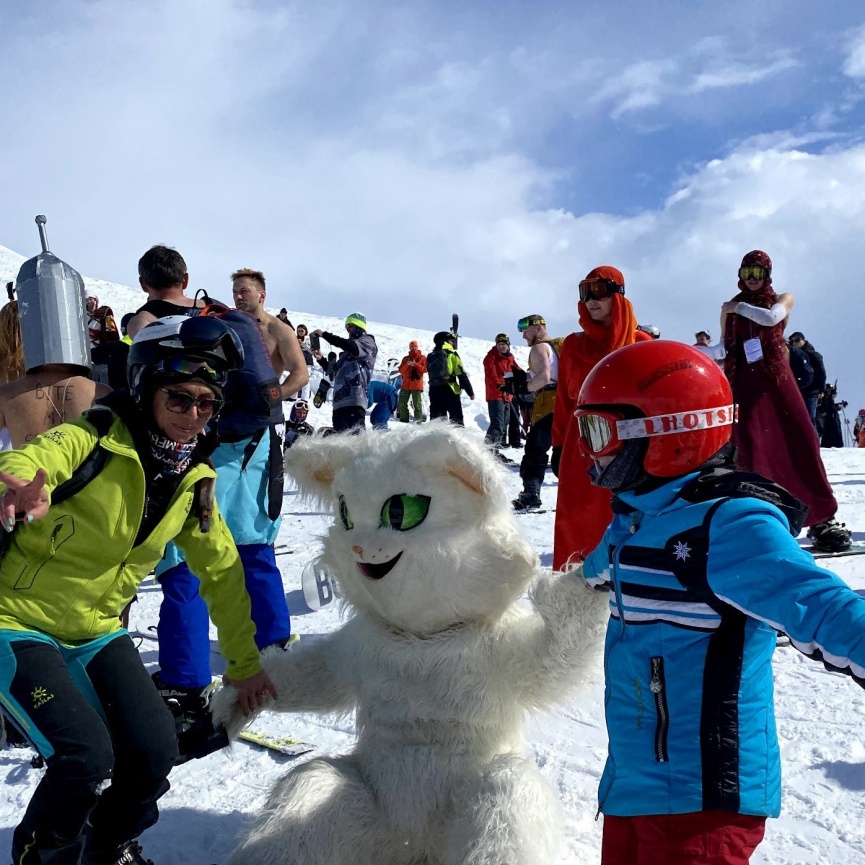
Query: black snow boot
129	853
187	705
830	537
530	498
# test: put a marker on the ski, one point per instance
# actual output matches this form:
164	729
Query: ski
284	745
455	329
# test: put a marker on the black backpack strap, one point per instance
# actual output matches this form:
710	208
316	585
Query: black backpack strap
101	418
724	482
251	445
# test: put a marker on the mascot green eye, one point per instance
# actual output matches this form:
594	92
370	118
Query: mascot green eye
404	512
344	515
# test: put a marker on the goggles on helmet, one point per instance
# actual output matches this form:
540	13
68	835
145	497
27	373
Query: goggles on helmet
753	271
302	405
183	366
597	288
603	433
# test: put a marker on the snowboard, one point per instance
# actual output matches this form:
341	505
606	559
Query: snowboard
455	328
317	585
284	745
857	548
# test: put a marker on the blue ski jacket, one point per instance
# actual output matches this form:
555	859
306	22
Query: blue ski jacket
697	593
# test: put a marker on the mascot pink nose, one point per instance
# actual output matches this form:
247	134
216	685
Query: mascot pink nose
358	551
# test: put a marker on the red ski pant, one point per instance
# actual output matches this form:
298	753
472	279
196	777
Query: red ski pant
701	838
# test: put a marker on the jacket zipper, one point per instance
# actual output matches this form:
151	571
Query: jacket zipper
658	687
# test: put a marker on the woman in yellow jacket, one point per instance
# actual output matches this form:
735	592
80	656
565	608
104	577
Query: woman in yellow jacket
70	676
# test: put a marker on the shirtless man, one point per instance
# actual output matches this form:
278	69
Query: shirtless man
286	355
44	398
162	274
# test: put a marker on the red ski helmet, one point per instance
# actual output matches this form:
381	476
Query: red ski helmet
665	392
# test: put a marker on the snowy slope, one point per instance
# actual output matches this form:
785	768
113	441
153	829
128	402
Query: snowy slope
821	715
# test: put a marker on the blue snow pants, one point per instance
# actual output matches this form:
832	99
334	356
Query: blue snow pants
242	483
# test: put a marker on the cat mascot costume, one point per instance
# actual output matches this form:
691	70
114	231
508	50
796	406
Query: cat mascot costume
438	662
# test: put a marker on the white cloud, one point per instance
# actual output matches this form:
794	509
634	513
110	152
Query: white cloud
854	63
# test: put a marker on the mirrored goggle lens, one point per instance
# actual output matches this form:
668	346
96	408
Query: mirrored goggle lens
598	289
596	431
752	272
184	366
523	324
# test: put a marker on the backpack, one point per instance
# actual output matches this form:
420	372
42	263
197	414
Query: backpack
253	399
437	367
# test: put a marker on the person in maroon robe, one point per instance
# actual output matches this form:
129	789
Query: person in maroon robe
774	436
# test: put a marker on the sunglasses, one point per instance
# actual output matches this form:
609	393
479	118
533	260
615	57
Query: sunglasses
181	402
599	289
184	366
753	272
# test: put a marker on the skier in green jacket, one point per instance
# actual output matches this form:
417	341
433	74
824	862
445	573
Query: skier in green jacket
70	676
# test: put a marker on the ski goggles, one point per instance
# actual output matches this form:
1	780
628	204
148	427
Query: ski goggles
302	405
529	321
753	271
603	433
187	367
181	402
597	288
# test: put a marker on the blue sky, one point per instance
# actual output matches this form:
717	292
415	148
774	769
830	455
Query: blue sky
409	159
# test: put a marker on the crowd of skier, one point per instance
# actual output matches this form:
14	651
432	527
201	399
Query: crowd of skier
168	456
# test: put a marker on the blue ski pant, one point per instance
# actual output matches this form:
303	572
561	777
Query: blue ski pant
183	629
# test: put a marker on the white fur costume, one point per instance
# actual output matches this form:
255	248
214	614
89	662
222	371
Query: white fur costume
438	661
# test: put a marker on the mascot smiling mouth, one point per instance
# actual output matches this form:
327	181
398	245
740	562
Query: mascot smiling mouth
377	570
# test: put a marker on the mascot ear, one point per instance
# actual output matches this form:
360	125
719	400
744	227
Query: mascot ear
314	462
453	452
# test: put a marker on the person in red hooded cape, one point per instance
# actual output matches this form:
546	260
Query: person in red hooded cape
774	436
608	321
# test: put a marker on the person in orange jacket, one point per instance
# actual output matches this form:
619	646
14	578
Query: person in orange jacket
412	370
497	363
608	322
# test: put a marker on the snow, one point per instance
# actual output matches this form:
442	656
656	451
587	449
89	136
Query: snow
821	715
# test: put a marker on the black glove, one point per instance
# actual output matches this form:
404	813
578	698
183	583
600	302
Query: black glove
555	459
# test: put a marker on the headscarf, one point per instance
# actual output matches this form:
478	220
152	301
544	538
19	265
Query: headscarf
601	340
738	328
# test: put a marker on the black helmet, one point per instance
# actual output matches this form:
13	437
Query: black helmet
442	337
180	348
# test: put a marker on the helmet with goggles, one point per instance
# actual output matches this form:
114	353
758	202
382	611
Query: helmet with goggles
179	348
663	400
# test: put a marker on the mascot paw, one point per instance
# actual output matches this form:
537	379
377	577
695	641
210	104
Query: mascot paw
226	711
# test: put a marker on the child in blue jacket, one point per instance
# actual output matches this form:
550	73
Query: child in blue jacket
703	570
